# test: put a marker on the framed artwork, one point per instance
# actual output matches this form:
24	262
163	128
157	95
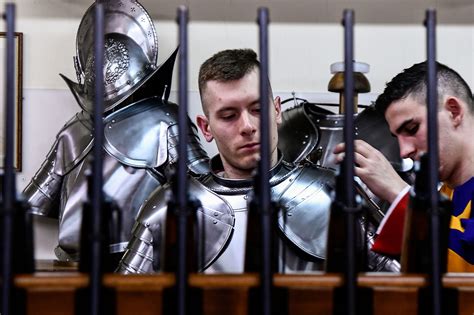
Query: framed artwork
18	98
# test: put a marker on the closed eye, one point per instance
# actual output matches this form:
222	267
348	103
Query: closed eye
411	129
227	117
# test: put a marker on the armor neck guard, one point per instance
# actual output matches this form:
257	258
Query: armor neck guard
278	173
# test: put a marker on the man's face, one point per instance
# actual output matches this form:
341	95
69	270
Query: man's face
408	122
233	120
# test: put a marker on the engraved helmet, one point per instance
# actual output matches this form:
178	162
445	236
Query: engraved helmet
130	55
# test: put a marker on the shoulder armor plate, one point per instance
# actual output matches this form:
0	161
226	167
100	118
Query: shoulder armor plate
136	135
215	220
73	143
305	201
297	134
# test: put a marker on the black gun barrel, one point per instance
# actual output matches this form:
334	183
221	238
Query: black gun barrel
96	194
9	188
181	193
264	164
432	121
348	167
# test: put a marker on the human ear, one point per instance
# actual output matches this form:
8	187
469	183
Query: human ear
455	109
203	124
277	104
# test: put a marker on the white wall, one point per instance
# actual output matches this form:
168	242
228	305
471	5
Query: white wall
300	55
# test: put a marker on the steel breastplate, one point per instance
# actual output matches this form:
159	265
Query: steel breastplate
303	195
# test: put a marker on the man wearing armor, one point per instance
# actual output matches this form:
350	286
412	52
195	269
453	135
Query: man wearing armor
404	104
228	84
140	128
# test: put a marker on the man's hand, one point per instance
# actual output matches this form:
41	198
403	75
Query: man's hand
374	170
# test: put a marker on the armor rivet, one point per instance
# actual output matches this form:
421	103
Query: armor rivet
290	214
154	207
291	179
216	214
317	120
147	224
113	121
214	222
167	114
246	197
306	136
335	122
304	142
129	82
110	127
371	233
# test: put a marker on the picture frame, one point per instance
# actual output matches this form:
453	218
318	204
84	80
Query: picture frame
18	98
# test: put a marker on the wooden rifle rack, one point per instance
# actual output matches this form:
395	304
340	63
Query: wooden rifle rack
53	292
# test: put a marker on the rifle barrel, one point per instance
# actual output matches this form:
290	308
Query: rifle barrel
8	193
264	164
432	104
182	180
348	169
96	194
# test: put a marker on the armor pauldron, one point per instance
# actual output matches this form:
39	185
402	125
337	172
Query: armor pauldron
73	143
65	154
297	143
216	218
305	201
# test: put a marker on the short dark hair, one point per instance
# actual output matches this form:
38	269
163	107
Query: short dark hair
228	65
412	82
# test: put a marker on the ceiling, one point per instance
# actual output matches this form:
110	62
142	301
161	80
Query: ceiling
281	11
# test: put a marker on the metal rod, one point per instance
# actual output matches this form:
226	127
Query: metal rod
264	164
97	196
9	175
432	103
348	168
182	180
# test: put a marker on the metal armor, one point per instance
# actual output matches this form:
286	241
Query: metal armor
138	159
319	130
140	145
302	192
131	53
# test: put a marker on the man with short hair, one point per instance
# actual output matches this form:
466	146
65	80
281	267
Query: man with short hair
404	104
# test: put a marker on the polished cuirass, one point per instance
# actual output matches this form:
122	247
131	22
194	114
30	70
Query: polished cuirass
140	151
303	197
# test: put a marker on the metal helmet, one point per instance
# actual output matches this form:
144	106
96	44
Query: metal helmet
130	56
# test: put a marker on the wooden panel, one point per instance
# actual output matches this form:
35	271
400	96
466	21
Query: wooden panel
310	294
51	293
393	294
464	283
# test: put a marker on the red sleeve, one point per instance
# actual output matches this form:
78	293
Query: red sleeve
390	233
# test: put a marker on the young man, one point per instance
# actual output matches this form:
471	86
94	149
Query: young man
229	87
404	104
